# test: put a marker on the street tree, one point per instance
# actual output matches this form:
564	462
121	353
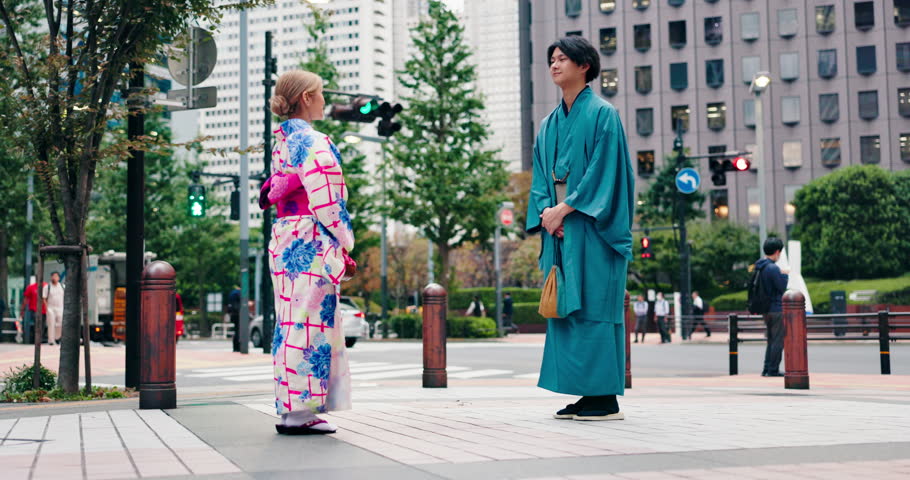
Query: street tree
444	182
657	205
65	102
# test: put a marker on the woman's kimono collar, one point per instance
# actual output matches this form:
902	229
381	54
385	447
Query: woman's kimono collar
292	125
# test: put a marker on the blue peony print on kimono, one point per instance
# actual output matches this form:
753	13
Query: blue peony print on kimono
320	362
299	257
327	314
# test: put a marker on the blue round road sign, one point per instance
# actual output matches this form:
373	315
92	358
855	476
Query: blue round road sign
688	180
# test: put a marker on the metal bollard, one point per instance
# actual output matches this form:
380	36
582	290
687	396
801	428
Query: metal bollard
733	327
884	337
434	337
157	345
630	325
796	356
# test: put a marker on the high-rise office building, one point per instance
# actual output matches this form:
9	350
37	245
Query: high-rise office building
840	91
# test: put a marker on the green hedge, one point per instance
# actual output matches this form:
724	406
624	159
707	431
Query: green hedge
411	326
461	299
526	313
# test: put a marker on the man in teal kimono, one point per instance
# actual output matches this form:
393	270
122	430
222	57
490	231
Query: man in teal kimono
582	202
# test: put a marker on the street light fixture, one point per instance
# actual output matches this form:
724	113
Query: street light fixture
760	82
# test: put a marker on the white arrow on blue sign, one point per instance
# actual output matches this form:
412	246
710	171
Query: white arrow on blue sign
688	180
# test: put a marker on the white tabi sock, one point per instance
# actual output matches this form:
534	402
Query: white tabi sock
303	417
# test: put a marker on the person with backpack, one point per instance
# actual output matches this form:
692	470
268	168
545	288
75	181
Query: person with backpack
476	309
766	289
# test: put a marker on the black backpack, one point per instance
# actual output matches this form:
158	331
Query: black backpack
759	302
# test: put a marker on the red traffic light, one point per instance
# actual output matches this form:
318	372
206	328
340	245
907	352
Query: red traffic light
741	164
645	242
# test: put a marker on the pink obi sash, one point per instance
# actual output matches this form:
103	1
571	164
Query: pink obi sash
286	193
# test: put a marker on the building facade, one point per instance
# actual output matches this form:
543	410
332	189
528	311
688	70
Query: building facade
840	91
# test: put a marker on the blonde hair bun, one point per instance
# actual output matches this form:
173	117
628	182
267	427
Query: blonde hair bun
280	106
291	85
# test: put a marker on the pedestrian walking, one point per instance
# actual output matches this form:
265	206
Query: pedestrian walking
641	318
233	311
507	309
771	284
581	200
699	307
661	311
29	311
308	259
476	309
53	296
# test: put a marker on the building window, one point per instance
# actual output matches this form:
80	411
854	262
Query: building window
676	3
827	63
642	34
641	4
787	22
607	6
864	15
901	13
714	33
753	197
609	82
824	19
828	107
870	149
789	208
749	26
608	40
905	147
678	34
830	152
868	104
903	57
903	101
865	60
751	66
720	204
717	116
644	121
573	8
789	107
714	72
789	66
792	153
645	163
679	76
679	118
749	112
643	79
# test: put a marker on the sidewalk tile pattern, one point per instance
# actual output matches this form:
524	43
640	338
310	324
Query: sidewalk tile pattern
120	444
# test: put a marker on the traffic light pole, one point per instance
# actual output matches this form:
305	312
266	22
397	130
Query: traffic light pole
243	335
685	277
135	226
266	298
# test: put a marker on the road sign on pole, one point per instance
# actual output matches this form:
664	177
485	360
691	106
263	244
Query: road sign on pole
688	180
506	217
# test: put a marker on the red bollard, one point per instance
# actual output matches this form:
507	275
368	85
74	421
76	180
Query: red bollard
796	356
157	348
630	325
434	337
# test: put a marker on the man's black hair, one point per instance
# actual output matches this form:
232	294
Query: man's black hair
55	273
773	245
581	52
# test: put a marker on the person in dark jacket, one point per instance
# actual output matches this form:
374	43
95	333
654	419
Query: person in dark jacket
774	283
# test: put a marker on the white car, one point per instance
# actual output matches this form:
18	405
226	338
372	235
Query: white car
353	320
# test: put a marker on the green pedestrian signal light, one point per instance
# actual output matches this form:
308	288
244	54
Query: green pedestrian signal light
196	200
369	107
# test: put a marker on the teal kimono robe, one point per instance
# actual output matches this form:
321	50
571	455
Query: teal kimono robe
584	352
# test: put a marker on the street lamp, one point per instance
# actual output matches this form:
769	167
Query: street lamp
760	82
355	138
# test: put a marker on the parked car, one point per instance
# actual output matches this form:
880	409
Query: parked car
353	320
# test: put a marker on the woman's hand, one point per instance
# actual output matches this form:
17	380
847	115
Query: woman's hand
552	218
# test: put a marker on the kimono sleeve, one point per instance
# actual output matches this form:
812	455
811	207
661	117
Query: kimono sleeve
314	160
539	197
606	191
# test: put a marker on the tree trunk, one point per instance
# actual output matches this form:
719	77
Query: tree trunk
4	272
444	251
68	372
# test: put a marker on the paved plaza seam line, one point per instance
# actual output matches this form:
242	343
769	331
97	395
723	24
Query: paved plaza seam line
6	435
31	471
123	443
166	445
204	441
82	449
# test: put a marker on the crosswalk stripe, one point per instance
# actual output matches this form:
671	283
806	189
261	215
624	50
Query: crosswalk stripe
479	373
399	373
229	371
357	369
531	375
268	376
263	369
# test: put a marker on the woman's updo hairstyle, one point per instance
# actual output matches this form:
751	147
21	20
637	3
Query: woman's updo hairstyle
291	85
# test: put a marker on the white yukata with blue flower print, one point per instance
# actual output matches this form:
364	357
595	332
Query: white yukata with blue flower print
307	263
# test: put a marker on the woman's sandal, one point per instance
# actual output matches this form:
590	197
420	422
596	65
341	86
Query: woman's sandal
305	429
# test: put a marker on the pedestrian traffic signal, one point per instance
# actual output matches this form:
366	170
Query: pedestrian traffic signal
646	252
361	109
196	200
235	205
720	165
387	127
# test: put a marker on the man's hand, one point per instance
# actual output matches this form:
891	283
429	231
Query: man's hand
552	218
785	271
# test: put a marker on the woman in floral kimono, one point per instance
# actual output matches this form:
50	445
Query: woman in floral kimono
308	258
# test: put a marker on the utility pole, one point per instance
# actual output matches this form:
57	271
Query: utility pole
685	279
135	225
267	299
244	328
